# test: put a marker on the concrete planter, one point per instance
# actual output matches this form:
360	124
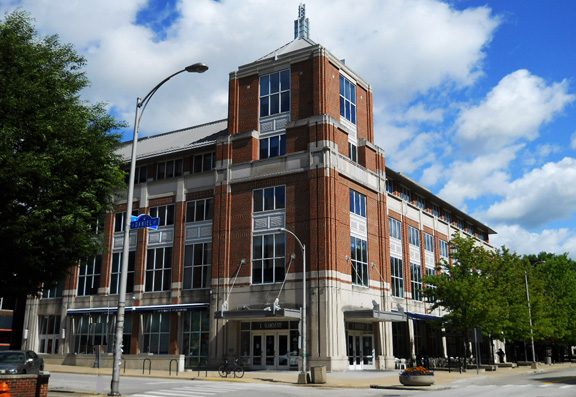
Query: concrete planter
417	380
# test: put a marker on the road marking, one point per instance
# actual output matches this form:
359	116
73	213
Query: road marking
560	380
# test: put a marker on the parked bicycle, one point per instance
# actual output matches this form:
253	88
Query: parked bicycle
233	367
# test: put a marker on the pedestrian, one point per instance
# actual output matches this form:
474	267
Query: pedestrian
501	355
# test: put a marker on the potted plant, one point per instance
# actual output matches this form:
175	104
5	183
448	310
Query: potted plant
417	376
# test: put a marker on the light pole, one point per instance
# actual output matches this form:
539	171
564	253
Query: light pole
140	106
530	312
303	374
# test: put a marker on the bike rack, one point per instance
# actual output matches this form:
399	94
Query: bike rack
205	367
149	367
170	367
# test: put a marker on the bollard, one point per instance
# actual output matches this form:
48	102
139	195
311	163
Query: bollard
4	389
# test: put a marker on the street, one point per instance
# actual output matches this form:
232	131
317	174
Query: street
549	384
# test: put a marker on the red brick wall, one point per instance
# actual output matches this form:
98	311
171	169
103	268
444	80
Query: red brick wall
26	385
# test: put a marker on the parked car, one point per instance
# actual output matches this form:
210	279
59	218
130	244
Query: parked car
20	362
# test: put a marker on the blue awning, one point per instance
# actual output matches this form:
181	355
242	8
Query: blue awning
421	316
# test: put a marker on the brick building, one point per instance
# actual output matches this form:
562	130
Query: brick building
219	278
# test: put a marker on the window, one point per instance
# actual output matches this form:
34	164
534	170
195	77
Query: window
397	277
196	337
197	265
448	217
268	258
89	276
115	272
390	186
359	259
395	228
119	219
200	210
420	202
406	194
347	100
203	162
460	223
141	175
430	271
353	152
156	333
159	269
416	276
273	146
414	236
169	169
444	249
428	242
275	93
165	213
435	210
357	203
269	199
52	290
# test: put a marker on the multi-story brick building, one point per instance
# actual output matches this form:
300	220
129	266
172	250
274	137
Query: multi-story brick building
219	277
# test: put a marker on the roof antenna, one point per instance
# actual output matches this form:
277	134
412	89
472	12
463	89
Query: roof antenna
301	25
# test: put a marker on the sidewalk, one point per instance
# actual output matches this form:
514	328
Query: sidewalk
387	379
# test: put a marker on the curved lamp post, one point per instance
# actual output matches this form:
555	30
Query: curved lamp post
303	374
140	106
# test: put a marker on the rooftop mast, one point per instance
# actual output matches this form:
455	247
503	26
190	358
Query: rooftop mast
301	26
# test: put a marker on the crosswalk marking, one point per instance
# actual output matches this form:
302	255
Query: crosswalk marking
196	390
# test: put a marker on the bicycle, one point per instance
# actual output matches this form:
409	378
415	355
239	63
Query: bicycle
231	368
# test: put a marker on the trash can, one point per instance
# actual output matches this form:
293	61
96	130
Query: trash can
319	374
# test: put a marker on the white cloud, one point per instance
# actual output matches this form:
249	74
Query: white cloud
514	110
524	242
539	197
482	175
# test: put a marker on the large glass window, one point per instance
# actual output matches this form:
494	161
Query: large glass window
397	277
416	276
275	93
272	146
156	333
357	203
395	228
444	248
120	219
165	213
203	162
97	331
197	265
169	169
269	199
428	242
414	235
199	210
196	334
89	276
268	258
159	269
359	259
347	99
115	272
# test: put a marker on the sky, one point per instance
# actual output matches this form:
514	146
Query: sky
476	100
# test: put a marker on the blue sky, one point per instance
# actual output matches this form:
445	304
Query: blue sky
476	100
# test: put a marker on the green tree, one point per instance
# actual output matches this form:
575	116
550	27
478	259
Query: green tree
465	290
58	170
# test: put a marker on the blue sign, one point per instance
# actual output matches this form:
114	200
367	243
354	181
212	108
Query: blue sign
144	221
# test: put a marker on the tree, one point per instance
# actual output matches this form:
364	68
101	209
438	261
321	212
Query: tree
58	169
464	289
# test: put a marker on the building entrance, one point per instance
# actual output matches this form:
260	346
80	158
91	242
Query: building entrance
360	346
270	345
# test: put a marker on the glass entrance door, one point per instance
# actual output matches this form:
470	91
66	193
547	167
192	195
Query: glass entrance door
360	351
270	350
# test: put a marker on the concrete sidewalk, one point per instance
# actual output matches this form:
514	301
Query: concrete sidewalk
351	379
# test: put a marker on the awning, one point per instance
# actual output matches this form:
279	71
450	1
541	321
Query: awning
183	307
421	316
373	316
286	314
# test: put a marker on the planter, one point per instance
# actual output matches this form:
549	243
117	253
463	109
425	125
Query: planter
417	380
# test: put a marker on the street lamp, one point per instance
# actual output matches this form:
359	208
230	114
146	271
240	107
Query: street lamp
140	106
302	378
530	311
